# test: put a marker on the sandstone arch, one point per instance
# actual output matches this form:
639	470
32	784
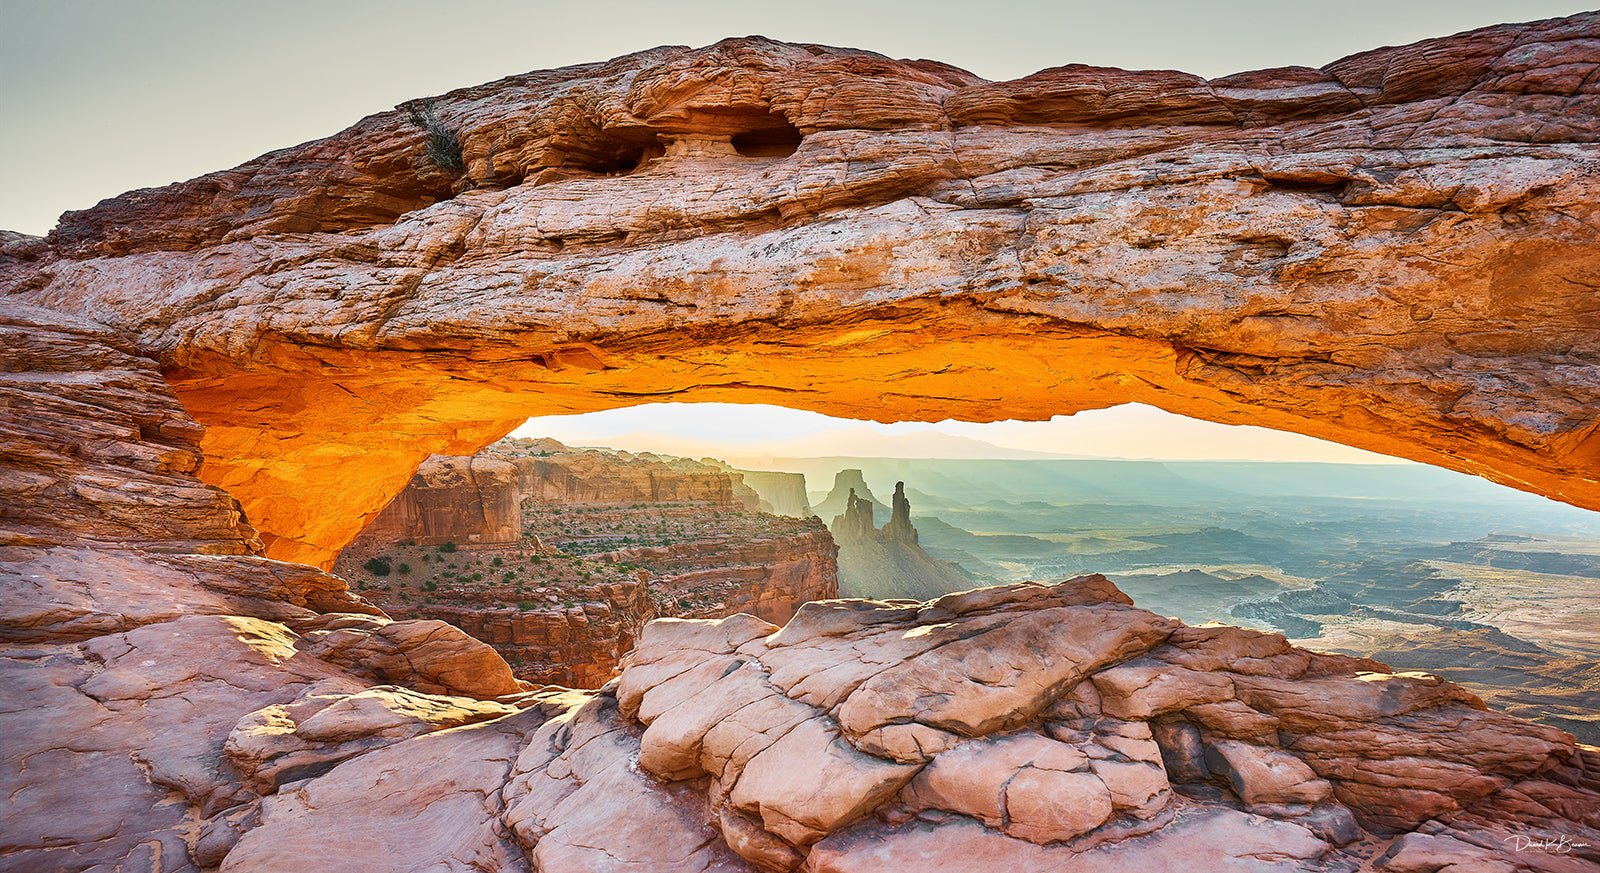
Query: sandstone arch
1399	252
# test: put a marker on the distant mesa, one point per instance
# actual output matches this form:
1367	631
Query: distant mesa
557	557
845	483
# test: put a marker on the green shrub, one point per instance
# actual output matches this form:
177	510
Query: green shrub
447	548
497	562
444	149
404	568
378	566
525	605
430	585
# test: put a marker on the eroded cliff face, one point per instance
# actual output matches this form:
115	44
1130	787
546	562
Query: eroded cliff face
769	577
611	540
550	472
1397	251
454	500
194	707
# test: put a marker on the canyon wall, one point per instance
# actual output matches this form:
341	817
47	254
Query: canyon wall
576	646
455	500
777	493
563	475
769	578
558	600
1398	251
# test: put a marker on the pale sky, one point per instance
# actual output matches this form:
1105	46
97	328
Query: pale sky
727	430
103	96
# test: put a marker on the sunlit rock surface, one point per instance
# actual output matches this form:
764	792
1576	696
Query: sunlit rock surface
1397	251
257	716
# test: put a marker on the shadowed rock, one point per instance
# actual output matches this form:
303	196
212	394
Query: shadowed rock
1397	252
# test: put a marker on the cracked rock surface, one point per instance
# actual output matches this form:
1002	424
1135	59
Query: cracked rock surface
1399	251
175	698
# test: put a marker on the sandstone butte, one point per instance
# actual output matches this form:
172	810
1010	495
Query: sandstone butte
205	381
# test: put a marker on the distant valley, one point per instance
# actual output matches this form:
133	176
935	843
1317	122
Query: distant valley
1416	566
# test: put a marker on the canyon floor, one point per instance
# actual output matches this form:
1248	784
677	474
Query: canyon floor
1412	566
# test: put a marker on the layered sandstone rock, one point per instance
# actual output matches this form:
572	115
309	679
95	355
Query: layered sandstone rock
454	500
549	472
1397	251
140	631
570	643
769	577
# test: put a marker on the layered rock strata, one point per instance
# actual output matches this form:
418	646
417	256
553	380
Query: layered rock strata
770	578
559	600
454	500
549	472
1397	251
138	629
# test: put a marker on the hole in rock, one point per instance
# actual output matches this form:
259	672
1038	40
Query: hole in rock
703	510
776	142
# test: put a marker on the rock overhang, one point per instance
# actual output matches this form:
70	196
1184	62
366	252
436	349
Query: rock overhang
1397	252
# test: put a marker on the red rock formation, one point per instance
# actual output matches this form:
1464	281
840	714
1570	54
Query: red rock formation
186	711
1397	251
769	578
556	624
454	500
562	475
576	646
141	630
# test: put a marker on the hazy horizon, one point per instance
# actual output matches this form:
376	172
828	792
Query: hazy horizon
1130	432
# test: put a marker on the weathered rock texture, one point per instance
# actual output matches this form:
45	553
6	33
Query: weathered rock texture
1398	251
190	707
138	633
454	500
1028	727
563	475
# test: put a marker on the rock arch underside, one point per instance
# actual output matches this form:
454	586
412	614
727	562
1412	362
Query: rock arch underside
209	388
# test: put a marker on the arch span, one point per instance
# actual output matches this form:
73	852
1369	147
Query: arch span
1400	252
